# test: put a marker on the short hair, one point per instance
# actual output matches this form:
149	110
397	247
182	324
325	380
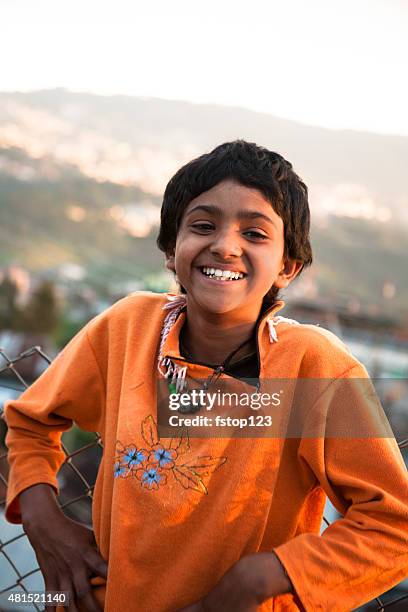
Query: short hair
252	166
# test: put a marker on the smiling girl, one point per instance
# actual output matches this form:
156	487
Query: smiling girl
210	524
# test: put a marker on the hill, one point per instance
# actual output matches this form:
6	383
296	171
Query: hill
81	177
144	140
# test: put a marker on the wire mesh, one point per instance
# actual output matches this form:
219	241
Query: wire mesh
19	569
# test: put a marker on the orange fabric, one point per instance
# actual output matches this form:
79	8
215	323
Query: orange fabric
168	547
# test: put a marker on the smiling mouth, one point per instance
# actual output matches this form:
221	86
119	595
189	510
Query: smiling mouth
222	275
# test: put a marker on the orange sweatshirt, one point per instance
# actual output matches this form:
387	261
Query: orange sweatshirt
171	517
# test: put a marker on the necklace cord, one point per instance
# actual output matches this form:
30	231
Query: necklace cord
227	360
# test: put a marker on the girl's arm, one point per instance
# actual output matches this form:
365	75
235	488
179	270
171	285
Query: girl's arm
364	553
66	550
70	390
246	585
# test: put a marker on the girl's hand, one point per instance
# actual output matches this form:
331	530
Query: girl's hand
249	582
233	593
66	551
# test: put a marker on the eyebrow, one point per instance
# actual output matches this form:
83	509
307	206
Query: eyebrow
242	214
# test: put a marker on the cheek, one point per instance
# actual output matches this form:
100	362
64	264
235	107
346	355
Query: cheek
268	268
187	249
182	260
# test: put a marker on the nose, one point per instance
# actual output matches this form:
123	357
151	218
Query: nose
226	244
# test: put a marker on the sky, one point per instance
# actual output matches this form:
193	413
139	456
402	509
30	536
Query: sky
332	63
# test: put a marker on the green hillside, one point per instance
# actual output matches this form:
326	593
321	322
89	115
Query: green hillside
353	257
37	233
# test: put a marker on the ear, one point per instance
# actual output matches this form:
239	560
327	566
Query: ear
170	265
290	269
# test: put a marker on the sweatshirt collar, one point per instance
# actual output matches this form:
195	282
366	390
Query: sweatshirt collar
170	346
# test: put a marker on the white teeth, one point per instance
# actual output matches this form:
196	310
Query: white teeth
222	275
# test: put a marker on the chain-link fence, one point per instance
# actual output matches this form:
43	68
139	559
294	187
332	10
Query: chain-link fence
19	569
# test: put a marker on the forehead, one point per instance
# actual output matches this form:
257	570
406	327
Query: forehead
230	199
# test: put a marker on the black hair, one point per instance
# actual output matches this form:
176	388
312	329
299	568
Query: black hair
252	166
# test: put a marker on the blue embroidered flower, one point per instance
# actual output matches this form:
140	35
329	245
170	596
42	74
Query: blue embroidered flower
151	477
163	457
134	457
120	470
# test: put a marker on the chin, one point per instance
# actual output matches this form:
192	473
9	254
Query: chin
217	306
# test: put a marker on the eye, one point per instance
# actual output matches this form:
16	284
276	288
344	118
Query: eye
202	227
256	235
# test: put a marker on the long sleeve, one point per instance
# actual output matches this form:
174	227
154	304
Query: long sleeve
365	552
70	390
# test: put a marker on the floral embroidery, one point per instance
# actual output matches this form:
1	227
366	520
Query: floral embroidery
121	470
164	457
130	456
151	477
134	457
153	466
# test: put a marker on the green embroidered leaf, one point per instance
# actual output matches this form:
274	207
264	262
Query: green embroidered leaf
149	431
119	450
205	465
119	446
181	444
189	479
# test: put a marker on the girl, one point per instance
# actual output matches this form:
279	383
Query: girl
210	524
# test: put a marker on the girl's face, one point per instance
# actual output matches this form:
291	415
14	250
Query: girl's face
229	231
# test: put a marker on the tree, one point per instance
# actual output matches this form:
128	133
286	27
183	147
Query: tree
9	311
42	311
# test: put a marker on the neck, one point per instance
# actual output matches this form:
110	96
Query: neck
211	339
